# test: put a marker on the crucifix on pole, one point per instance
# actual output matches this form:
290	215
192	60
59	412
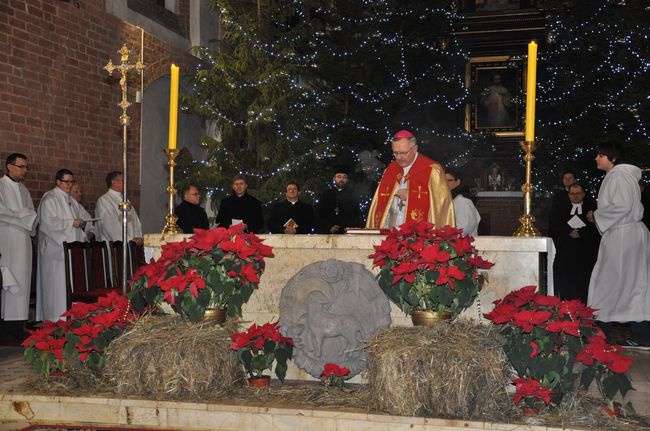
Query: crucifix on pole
123	69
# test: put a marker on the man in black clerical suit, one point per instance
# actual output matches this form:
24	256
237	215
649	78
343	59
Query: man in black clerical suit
338	207
240	207
292	215
576	240
560	196
190	214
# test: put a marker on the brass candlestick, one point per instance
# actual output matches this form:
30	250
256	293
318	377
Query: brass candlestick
527	221
170	219
124	68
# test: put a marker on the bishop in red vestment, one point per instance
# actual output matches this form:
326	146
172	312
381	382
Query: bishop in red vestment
413	188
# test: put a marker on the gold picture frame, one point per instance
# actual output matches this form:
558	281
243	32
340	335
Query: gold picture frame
496	87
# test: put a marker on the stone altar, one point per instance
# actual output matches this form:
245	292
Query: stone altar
518	262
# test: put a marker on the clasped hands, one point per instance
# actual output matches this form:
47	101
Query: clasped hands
78	223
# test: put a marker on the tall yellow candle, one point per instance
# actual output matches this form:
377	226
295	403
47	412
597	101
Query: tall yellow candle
173	107
531	82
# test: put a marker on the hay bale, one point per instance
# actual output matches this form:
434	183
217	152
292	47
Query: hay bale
169	357
453	370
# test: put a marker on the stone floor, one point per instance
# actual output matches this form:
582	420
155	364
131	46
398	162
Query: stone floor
14	371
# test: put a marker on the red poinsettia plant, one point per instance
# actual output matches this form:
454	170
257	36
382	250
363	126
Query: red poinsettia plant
215	268
429	269
80	340
260	347
549	342
334	375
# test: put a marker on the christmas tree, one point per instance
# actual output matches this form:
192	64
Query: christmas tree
593	85
298	87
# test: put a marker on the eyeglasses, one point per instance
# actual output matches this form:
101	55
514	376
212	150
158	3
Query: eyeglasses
19	166
68	181
402	153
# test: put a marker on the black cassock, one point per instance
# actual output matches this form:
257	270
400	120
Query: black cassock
338	208
302	213
575	257
245	207
191	216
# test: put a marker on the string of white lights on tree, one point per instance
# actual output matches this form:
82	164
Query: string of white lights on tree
597	94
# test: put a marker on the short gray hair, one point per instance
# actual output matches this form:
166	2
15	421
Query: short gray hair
412	141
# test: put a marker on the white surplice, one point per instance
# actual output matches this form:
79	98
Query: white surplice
55	217
467	216
397	213
17	218
81	213
110	224
619	288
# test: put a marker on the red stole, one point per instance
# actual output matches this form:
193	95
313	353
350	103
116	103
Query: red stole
418	202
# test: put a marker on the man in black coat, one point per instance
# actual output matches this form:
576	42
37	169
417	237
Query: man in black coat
190	214
560	197
576	240
240	207
338	207
292	216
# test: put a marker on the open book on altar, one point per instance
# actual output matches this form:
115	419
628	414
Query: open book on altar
291	223
362	231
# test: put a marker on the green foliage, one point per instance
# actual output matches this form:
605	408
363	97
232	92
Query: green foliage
216	268
260	347
593	85
334	375
423	268
81	339
553	344
296	88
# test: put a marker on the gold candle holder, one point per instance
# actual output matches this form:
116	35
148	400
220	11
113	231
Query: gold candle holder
527	221
170	219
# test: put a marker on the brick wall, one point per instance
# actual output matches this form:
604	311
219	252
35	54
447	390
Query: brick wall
57	103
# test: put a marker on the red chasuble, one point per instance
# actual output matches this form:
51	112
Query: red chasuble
428	195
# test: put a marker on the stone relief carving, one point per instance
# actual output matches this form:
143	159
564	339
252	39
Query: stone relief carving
330	308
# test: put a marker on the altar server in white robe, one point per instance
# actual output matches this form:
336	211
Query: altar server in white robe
107	209
57	223
467	216
80	212
619	288
17	218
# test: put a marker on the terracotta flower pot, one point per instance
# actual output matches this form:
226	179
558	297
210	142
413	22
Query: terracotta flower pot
259	382
214	315
614	411
429	318
530	411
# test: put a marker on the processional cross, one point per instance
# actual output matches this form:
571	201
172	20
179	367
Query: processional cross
124	68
